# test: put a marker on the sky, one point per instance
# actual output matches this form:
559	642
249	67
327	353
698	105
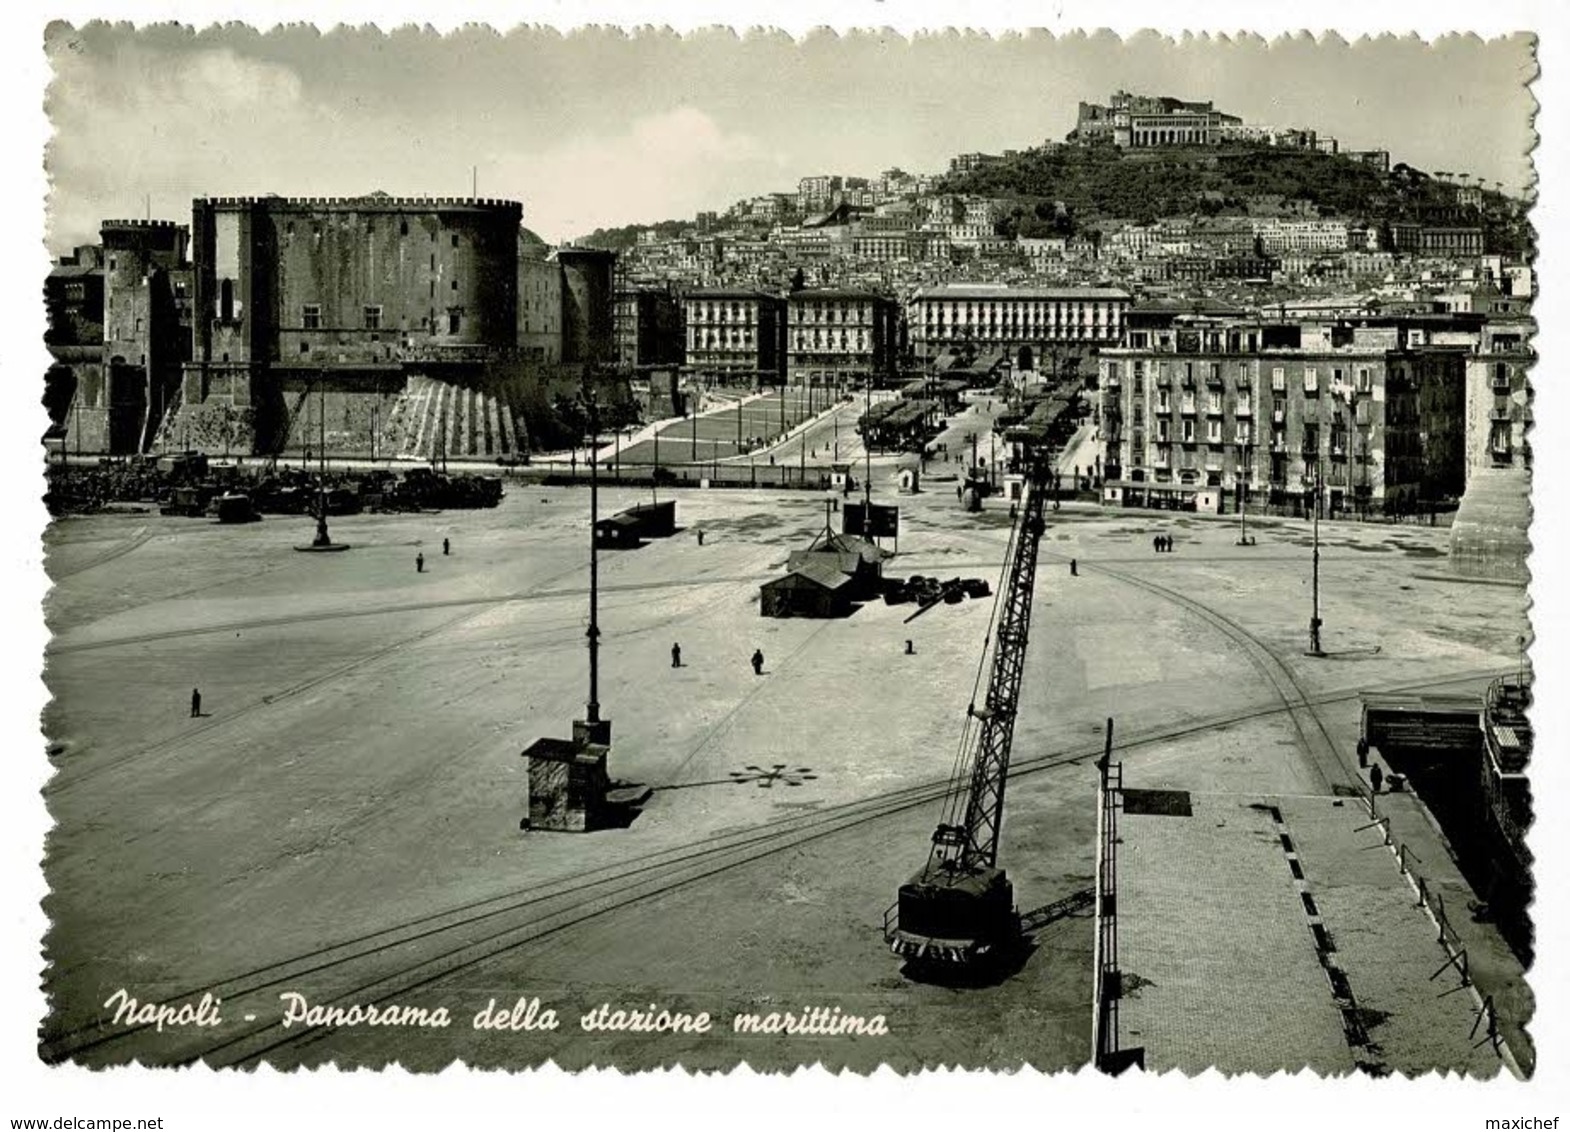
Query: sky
605	127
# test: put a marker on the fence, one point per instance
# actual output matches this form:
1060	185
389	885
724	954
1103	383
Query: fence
1450	940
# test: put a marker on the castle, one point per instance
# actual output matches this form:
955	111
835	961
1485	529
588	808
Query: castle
377	325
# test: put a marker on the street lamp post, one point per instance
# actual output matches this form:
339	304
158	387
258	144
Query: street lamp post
1315	647
1244	475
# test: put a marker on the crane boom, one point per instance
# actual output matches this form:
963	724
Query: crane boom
989	773
960	907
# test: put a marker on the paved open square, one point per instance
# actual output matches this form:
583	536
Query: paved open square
356	712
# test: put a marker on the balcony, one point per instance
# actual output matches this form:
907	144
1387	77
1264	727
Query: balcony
1243	409
1214	381
1278	416
1163	380
1500	384
1214	409
1189	409
1499	414
1164	409
1310	449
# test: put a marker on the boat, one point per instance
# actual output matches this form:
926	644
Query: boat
1507	749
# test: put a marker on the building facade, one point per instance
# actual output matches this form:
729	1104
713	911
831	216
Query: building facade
735	334
1022	321
838	336
648	328
1369	412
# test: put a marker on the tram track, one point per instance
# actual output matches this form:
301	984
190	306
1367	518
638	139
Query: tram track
1314	738
431	949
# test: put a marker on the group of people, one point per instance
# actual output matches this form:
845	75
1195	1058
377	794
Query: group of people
1163	544
757	659
419	556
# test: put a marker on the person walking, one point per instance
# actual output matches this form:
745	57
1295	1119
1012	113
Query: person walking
196	703
446	548
419	562
700	536
1362	751
757	662
676	655
1073	567
1375	777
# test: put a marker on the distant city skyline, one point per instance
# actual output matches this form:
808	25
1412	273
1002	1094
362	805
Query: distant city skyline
604	128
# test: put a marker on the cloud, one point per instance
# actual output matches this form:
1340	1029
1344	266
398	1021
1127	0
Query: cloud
139	120
671	163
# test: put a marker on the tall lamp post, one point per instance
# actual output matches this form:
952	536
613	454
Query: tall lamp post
1244	475
1315	624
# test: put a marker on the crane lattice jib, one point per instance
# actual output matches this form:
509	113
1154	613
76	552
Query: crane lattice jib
989	773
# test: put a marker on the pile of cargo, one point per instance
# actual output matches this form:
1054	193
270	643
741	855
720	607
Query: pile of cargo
929	591
187	485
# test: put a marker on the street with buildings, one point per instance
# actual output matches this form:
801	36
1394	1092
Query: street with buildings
739	506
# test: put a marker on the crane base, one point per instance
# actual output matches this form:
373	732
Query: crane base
959	919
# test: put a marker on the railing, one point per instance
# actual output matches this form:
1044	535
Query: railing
1433	901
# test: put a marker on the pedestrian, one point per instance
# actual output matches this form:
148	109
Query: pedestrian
700	536
196	703
676	655
1375	776
446	548
1073	567
1155	544
1362	750
419	562
757	662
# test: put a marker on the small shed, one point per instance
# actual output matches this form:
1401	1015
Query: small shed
618	532
856	558
909	481
655	520
567	784
816	588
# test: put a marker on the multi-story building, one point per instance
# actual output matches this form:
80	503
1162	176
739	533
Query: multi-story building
1499	396
836	336
735	334
1367	409
1027	322
1301	235
648	328
1457	240
1137	121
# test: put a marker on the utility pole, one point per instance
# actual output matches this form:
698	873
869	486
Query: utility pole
593	707
695	432
866	441
1243	476
1314	625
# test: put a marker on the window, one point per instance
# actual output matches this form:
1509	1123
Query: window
1213	433
454	321
1310	380
1188	432
1364	381
373	318
403	227
455	240
305	347
454	284
311	316
1278	379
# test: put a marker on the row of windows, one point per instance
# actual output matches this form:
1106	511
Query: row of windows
370	230
1016	308
371	316
1211	372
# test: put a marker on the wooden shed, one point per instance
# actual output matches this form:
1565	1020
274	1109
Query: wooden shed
817	588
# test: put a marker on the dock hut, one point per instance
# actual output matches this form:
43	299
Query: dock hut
817	587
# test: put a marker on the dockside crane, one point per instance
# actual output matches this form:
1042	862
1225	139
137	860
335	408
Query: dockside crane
958	911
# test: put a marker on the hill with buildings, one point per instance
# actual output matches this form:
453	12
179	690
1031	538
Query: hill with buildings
1085	184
